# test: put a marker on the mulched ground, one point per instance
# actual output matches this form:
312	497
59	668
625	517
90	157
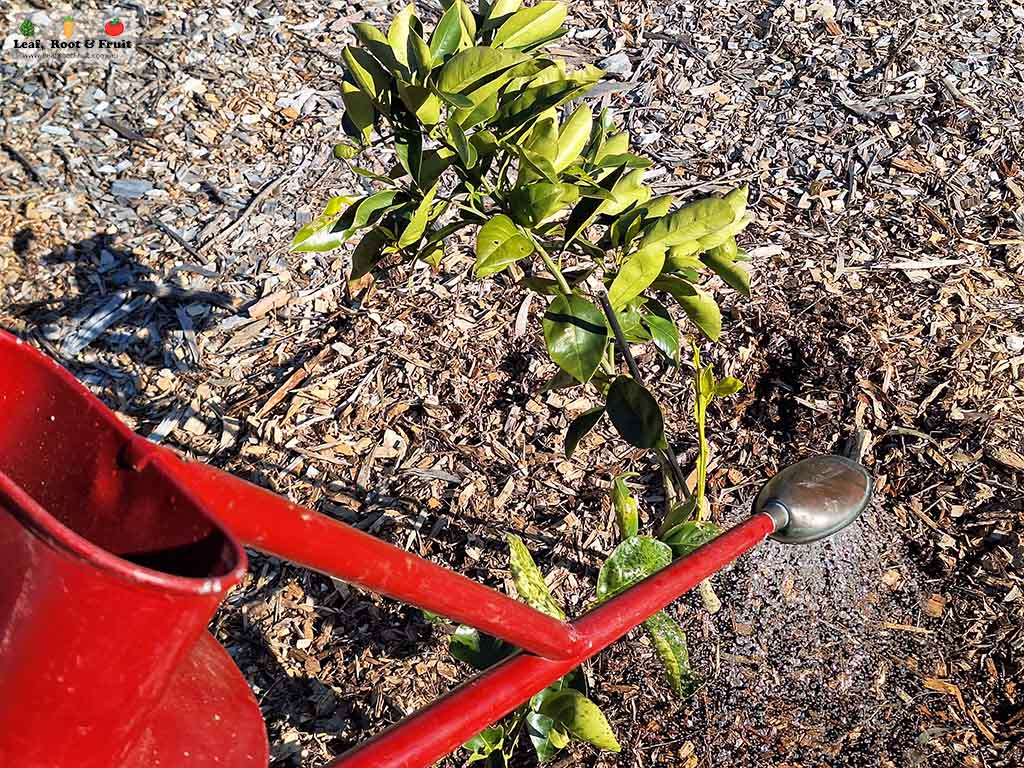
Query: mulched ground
147	211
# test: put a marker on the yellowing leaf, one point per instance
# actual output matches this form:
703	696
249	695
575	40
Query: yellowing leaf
529	581
581	717
498	244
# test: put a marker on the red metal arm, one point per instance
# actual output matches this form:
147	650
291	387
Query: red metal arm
271	524
425	737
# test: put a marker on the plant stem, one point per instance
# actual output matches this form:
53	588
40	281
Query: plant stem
634	370
553	268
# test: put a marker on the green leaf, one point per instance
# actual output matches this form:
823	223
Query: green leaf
546	737
624	504
473	65
359	110
456	100
728	386
421	60
691	222
579	427
467	152
498	244
409	148
690	535
367	253
536	201
375	42
478	650
722	260
422	102
529	581
530	25
447	36
635	413
670	643
581	717
587	208
549	287
418	223
576	335
573	137
345	150
631	562
636	274
663	330
698	305
500	9
317	235
367	73
628	191
485	743
398	33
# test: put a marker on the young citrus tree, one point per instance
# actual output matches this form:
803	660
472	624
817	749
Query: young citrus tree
495	148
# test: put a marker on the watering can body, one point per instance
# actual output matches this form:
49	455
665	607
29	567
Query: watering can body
108	578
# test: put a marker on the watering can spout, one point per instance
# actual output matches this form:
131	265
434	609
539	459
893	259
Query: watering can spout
815	498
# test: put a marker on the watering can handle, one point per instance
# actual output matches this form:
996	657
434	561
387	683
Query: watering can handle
271	524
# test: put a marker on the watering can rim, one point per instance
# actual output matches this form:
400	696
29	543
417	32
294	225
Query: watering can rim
55	533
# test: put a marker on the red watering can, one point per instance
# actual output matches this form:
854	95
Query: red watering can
115	553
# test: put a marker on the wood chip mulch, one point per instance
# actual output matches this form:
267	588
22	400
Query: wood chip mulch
147	209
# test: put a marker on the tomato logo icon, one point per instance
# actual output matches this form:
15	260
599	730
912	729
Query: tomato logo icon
114	27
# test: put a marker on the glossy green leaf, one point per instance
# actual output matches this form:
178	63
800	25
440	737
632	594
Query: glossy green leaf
359	110
579	427
317	235
576	336
529	581
690	535
409	149
587	208
698	305
421	60
498	244
539	200
530	25
467	152
546	737
377	44
418	223
626	515
636	274
447	36
485	743
500	9
367	253
367	73
398	33
635	413
573	137
422	102
663	328
691	222
581	717
628	191
670	643
472	65
631	562
722	260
